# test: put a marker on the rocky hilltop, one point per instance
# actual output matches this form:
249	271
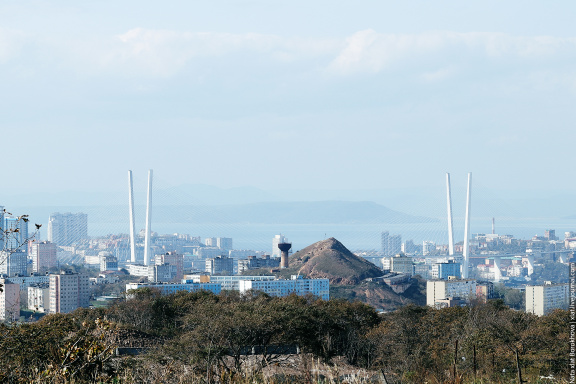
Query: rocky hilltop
331	260
347	273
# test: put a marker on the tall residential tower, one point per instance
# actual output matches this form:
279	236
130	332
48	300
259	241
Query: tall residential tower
67	228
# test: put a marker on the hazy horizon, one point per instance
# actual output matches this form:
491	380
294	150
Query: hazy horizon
252	216
375	95
245	102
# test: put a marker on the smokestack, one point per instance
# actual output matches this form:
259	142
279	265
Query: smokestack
148	220
493	226
284	248
466	250
450	223
131	215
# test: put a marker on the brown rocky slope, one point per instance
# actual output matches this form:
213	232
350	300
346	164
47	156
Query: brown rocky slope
347	274
331	260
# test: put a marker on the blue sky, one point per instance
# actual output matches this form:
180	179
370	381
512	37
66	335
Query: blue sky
360	95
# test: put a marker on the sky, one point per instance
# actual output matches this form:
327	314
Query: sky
323	96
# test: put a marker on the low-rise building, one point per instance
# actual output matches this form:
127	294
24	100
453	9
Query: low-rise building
253	262
442	271
484	291
172	258
169	288
297	285
422	270
402	264
206	252
164	273
449	302
25	281
229	283
138	270
442	289
108	262
220	265
106	277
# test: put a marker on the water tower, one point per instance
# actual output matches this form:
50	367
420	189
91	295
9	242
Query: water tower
284	248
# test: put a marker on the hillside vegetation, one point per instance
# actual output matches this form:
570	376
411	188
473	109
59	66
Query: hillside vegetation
205	338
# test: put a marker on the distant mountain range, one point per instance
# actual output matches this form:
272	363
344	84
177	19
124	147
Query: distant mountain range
430	202
318	212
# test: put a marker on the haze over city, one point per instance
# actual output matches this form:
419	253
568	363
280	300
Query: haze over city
366	101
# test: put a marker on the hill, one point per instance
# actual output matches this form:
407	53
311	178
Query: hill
347	274
377	295
330	259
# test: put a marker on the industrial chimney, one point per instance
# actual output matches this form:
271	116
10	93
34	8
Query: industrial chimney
284	248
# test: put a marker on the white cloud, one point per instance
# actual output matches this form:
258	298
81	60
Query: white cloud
155	53
164	52
371	52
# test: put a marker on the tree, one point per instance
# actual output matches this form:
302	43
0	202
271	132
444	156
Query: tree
12	239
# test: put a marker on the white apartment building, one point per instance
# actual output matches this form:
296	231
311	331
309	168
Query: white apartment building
297	285
39	297
229	283
138	270
169	288
437	290
9	301
543	299
68	291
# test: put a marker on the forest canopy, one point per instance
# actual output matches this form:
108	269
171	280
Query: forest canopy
202	337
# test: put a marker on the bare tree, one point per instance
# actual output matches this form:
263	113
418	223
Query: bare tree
12	240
